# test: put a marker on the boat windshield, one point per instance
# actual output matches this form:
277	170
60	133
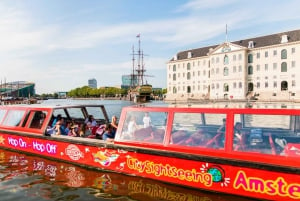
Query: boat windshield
144	126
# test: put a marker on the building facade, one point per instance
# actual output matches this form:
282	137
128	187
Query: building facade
92	83
263	68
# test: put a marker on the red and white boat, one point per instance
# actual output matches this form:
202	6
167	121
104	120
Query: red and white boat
248	152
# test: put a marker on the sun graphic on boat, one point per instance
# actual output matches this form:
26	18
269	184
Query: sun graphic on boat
218	174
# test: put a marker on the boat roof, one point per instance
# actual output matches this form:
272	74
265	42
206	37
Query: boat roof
52	106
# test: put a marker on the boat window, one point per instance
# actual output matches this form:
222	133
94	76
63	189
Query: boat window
59	111
75	113
13	117
2	113
97	113
146	127
199	130
267	134
38	119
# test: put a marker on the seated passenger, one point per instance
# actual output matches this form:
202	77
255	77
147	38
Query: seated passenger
238	131
222	127
60	128
199	138
114	123
179	137
84	130
109	134
90	121
73	130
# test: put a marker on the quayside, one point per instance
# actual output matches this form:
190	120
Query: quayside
241	151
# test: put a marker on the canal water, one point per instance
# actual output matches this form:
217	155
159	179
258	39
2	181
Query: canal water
25	177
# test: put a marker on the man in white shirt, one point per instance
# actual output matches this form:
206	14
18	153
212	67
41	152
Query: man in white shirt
147	120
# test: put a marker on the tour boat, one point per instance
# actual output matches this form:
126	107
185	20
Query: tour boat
65	177
250	152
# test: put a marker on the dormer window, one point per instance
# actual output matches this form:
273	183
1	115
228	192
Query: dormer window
284	38
189	55
251	44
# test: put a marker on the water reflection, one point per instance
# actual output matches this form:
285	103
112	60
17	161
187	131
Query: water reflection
26	177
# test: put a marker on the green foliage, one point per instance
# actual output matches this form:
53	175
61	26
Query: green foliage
86	91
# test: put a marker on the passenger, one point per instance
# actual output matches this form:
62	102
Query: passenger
42	119
132	126
55	120
90	121
73	130
147	120
238	131
60	128
84	130
109	134
222	127
114	124
199	138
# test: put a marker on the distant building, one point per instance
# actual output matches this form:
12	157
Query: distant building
92	83
263	68
129	80
17	89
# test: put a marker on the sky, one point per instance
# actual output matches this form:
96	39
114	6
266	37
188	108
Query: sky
60	44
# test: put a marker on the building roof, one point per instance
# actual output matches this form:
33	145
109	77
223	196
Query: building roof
261	41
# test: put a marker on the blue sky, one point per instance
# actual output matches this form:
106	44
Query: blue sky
60	44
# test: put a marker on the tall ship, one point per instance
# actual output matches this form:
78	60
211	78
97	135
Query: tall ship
140	90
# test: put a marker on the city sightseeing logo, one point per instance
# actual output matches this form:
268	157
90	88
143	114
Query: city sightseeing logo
217	173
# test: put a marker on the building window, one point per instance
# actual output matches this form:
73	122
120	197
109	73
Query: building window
250	58
213	86
293	50
266	67
170	76
240	68
284	86
226	60
234	69
293	83
174	90
250	70
188	66
188	89
266	84
217	60
225	71
240	85
240	56
174	67
212	71
258	68
283	54
226	87
274	66
257	55
234	85
217	86
274	52
213	60
293	64
204	73
234	57
283	67
266	54
258	85
274	84
198	73
174	77
188	76
217	71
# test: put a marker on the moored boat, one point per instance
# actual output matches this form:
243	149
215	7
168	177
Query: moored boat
248	152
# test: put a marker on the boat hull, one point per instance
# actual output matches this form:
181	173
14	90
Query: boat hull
212	174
